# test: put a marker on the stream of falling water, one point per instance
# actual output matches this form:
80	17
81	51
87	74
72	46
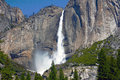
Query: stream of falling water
42	59
59	55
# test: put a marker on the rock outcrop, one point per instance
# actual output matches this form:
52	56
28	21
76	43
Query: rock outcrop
9	17
84	72
88	21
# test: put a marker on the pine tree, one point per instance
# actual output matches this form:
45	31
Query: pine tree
38	77
75	75
118	59
28	76
102	68
16	78
118	65
61	75
6	74
52	74
22	76
113	69
66	78
6	71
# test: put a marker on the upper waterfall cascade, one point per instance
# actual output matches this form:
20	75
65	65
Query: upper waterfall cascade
42	59
59	55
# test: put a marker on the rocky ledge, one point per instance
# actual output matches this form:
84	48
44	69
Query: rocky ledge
84	72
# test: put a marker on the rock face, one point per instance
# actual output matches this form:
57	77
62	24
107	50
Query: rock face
88	21
85	22
39	31
9	16
84	72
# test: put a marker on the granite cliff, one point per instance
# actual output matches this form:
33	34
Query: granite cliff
88	21
85	22
37	32
9	16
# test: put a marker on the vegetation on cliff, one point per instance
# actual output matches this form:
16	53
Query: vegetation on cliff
89	56
108	69
100	54
86	56
8	67
60	76
104	54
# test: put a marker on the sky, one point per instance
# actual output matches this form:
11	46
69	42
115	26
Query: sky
30	6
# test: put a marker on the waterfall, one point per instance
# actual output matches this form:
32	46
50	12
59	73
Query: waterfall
59	55
43	60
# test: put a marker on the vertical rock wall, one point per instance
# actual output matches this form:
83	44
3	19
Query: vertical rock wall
88	21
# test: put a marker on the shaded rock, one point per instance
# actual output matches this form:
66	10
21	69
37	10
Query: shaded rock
88	21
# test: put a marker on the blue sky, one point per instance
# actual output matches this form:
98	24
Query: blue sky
30	6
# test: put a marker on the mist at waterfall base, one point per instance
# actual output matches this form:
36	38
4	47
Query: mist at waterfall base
42	61
42	58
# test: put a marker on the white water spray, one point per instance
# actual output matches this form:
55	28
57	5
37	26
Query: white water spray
43	60
59	55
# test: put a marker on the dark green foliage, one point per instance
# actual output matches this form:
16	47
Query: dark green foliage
88	56
108	67
22	77
118	59
28	76
53	73
86	59
16	78
75	75
3	57
118	75
61	75
6	74
118	65
66	78
102	68
113	69
9	67
12	65
7	63
38	77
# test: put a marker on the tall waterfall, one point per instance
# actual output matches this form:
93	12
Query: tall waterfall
59	55
43	60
